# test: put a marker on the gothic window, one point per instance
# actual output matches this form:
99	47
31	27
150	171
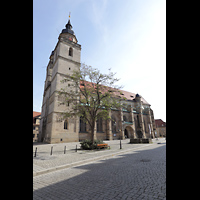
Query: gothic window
70	51
138	121
145	126
114	129
135	119
65	124
99	125
124	118
82	126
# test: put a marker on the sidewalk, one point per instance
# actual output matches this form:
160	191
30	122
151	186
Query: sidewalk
44	162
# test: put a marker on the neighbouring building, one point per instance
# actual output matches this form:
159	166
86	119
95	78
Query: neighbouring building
136	122
160	128
36	124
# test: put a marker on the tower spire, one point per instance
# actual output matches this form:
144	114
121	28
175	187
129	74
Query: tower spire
68	25
69	30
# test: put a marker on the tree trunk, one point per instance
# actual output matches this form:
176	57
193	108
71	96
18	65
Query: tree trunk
92	132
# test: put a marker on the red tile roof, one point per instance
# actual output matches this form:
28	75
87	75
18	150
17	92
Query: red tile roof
160	123
127	95
35	114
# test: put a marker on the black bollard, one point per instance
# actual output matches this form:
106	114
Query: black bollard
35	151
120	144
65	150
51	150
76	148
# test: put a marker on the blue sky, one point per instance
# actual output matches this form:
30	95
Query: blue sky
128	36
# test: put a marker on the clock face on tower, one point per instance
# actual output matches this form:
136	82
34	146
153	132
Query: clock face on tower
71	38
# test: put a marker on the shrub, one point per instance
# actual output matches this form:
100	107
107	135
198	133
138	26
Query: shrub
87	144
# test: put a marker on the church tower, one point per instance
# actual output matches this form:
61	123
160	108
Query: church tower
64	59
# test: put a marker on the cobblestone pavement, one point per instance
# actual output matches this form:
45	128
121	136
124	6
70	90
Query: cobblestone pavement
136	174
44	161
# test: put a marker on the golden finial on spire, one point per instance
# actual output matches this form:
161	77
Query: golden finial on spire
69	14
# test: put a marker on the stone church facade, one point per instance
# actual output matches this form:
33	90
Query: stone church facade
135	122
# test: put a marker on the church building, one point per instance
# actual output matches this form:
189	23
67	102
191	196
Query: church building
134	123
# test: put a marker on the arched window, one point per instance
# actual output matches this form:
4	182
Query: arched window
65	124
135	120
82	126
124	118
114	129
145	126
99	125
138	121
70	51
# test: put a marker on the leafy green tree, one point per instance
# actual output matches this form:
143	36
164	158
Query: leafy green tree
91	96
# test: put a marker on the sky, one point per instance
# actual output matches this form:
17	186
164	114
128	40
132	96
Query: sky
128	36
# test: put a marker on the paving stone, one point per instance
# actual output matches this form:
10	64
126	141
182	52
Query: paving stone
125	176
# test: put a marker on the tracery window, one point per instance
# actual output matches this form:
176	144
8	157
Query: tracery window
138	121
124	118
114	129
99	125
145	126
82	126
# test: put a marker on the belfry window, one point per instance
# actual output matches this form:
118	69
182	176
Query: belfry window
70	51
65	125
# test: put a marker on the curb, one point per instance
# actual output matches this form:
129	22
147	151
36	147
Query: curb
83	162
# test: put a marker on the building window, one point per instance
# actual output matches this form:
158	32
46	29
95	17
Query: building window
99	125
124	118
135	120
65	124
70	51
138	121
82	126
114	129
145	127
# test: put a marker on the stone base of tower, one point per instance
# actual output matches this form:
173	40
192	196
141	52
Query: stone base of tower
63	140
140	140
